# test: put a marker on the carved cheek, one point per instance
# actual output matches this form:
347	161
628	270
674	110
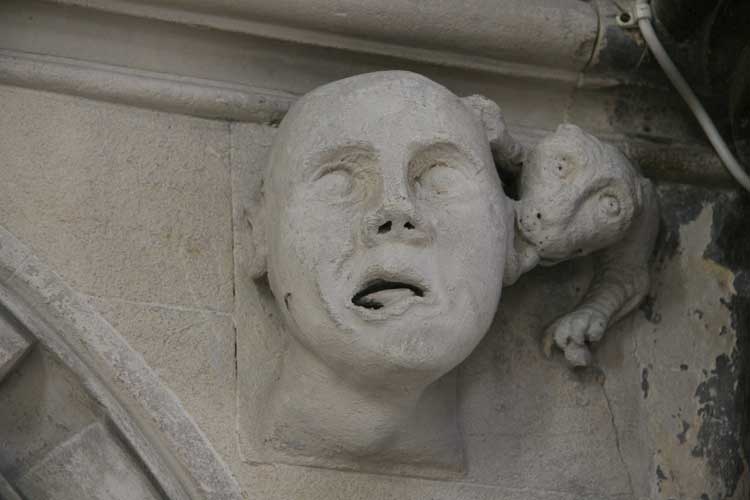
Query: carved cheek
315	230
465	230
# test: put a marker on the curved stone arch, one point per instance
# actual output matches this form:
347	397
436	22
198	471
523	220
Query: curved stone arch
144	412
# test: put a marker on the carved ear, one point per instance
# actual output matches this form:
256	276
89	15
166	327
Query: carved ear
521	256
507	152
255	225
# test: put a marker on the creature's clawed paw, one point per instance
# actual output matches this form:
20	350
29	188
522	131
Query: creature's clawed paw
573	333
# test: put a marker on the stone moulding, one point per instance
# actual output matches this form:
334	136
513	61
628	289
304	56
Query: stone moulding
146	414
145	89
559	34
673	161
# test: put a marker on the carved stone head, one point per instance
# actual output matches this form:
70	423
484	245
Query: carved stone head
386	228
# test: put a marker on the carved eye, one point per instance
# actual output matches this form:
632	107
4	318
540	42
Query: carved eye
609	205
334	184
440	180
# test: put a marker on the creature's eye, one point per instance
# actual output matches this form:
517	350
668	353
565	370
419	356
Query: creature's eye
609	205
334	183
440	180
563	164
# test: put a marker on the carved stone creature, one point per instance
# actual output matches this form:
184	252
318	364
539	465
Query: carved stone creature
579	196
622	208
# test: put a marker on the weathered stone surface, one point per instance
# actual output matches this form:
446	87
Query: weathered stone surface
674	376
526	416
91	465
123	203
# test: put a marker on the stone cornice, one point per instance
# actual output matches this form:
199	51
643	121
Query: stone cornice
482	34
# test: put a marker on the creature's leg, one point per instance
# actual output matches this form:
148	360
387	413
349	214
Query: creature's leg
621	281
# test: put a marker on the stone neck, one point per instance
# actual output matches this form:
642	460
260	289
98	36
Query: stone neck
316	411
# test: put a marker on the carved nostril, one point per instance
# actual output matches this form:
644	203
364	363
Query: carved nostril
409	225
384	228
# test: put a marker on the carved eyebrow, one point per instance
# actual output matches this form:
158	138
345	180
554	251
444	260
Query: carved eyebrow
322	162
444	150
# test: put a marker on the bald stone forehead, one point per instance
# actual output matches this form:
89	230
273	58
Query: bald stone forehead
387	110
409	86
346	104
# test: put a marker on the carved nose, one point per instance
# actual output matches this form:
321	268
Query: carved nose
400	224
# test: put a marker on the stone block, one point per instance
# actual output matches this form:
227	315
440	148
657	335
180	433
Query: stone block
121	202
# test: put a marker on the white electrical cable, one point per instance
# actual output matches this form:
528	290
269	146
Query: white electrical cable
643	16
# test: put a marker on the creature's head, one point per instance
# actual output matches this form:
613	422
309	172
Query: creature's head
577	195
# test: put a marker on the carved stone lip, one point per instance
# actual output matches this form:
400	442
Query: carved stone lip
368	296
383	293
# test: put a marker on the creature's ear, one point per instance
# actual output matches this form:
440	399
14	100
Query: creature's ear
254	218
507	152
521	255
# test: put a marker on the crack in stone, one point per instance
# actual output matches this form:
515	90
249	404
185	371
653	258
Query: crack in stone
617	439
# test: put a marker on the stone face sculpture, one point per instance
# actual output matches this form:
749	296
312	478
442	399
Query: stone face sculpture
385	237
384	234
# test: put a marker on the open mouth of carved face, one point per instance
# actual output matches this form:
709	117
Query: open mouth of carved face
382	294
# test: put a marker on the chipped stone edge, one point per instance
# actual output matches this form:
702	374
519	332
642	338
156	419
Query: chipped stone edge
146	413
